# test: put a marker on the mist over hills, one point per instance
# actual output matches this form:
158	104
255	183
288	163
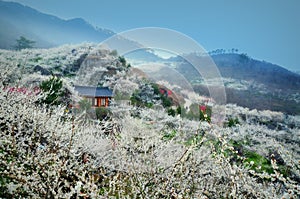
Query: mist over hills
248	82
240	66
244	68
269	86
47	30
50	31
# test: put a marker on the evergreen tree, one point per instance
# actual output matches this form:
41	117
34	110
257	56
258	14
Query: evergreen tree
55	93
23	43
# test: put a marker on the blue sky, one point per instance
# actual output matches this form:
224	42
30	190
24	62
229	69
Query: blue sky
264	29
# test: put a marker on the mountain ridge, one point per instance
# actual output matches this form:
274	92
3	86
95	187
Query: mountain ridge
248	82
47	30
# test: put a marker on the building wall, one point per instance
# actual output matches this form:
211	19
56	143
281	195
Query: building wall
102	101
95	101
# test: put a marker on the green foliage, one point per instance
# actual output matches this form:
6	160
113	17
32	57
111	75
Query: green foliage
84	105
166	102
55	93
242	156
170	135
122	60
102	113
171	112
257	162
244	57
36	59
24	43
260	163
143	97
205	113
178	110
206	116
135	100
195	139
149	105
252	159
155	88
232	122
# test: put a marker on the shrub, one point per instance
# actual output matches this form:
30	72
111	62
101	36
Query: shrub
54	92
205	113
171	112
232	122
122	60
23	43
102	113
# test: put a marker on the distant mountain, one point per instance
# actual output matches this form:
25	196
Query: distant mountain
251	83
145	55
248	82
242	67
47	30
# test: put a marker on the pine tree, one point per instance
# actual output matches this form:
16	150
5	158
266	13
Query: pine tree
23	43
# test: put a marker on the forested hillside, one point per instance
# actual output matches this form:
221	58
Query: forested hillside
165	142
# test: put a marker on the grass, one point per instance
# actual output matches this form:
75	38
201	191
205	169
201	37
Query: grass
257	162
170	135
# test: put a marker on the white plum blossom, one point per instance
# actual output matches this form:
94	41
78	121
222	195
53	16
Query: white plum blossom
138	152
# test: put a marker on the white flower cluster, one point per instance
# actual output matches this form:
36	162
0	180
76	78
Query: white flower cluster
46	152
38	154
61	57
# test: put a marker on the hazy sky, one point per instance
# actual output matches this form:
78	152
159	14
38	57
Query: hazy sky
264	29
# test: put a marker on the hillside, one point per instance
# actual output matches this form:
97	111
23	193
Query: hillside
242	67
47	30
162	134
248	82
269	86
140	150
